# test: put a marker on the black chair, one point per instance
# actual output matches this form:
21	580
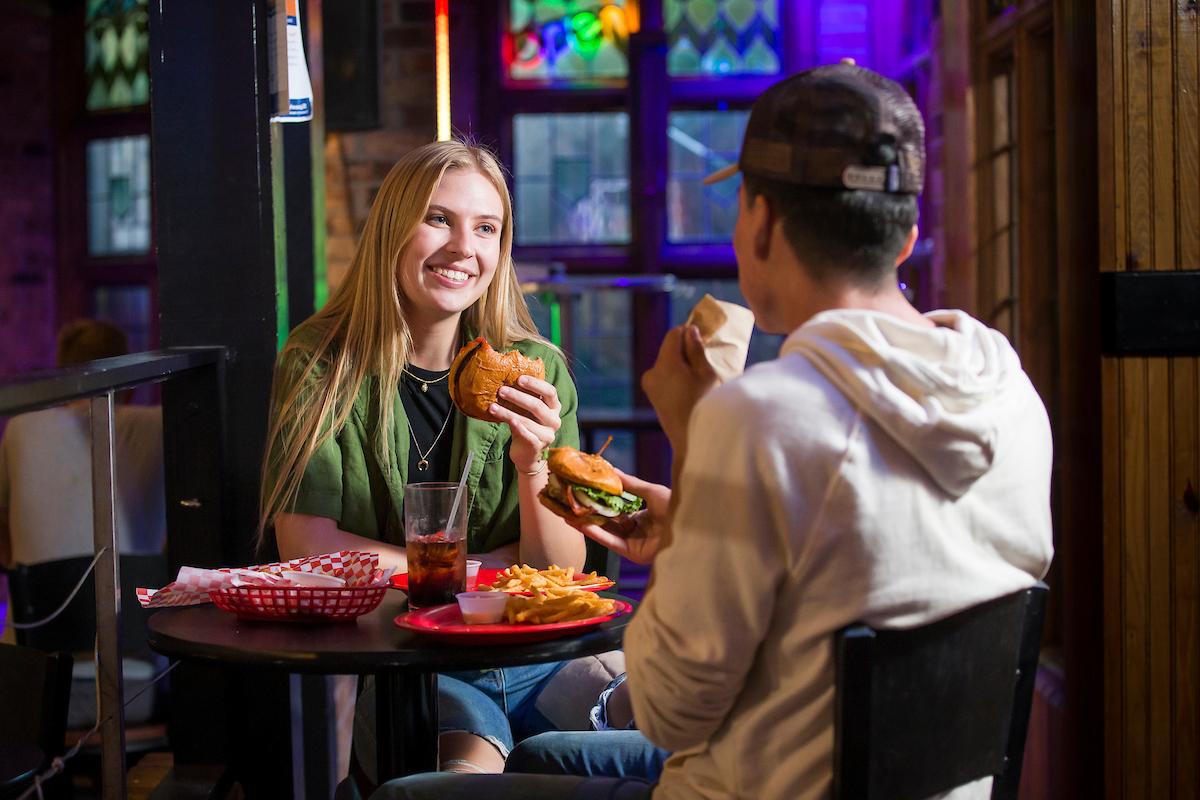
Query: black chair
924	710
35	689
37	590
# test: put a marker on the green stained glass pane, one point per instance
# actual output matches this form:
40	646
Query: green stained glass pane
701	13
571	178
701	142
761	58
722	37
568	40
118	195
741	13
721	59
116	48
683	58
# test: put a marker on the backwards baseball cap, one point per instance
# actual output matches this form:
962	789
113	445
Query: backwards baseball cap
838	126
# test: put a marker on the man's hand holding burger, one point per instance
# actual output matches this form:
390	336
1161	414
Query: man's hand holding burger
624	513
677	381
639	536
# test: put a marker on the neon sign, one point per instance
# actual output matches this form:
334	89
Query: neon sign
553	48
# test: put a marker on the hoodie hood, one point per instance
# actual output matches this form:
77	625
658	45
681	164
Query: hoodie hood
941	393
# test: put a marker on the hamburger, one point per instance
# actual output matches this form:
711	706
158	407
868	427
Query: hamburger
586	488
478	372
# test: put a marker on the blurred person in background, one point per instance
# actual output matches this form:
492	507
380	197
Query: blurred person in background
46	467
46	501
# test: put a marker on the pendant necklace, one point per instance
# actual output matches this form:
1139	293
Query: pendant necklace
424	383
424	463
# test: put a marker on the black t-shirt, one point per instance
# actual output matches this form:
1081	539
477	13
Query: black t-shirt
429	415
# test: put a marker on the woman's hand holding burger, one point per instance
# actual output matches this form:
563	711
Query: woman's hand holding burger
511	388
534	426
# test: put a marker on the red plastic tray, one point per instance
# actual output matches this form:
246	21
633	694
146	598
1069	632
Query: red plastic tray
446	622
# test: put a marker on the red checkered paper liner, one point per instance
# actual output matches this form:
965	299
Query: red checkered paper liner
193	585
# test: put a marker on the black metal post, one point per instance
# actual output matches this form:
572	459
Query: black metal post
407	740
111	706
216	164
649	101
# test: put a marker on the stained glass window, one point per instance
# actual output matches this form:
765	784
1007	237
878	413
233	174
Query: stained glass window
116	46
118	191
572	178
722	37
701	142
763	346
568	40
843	31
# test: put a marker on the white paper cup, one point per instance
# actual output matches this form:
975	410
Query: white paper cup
482	608
473	573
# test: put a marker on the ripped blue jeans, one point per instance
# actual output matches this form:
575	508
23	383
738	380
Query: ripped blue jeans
499	705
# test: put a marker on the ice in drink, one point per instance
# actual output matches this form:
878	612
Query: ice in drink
437	569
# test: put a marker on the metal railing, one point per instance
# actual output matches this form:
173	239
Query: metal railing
98	382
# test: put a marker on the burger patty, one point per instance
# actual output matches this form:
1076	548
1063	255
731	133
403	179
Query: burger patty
577	499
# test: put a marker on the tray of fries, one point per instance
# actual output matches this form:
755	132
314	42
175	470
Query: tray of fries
544	614
524	579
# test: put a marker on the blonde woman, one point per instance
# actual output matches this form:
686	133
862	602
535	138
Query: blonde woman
361	407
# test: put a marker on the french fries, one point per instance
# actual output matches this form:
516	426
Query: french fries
525	578
556	604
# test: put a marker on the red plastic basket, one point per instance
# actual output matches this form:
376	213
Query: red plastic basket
298	604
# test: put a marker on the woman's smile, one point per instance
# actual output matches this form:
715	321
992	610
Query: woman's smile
453	277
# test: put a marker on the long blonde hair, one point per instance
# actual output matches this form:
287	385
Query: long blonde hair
361	332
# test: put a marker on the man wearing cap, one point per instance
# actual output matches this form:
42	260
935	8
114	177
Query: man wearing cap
890	467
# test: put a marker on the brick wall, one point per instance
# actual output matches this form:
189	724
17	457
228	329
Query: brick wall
356	163
27	317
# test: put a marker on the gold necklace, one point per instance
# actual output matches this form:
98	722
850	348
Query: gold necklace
423	464
424	383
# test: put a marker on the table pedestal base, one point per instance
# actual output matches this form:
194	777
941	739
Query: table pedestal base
407	719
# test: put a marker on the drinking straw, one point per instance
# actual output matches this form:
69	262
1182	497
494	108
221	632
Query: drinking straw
462	482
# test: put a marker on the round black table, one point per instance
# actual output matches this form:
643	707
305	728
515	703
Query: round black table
405	664
18	763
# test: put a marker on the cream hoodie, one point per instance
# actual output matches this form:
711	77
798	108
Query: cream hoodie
876	471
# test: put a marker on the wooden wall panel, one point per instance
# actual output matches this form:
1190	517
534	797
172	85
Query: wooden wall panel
1185	390
1114	585
1148	133
1185	560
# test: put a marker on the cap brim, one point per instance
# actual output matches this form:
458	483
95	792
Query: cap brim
722	174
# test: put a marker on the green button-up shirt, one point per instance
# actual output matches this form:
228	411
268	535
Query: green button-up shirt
349	480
